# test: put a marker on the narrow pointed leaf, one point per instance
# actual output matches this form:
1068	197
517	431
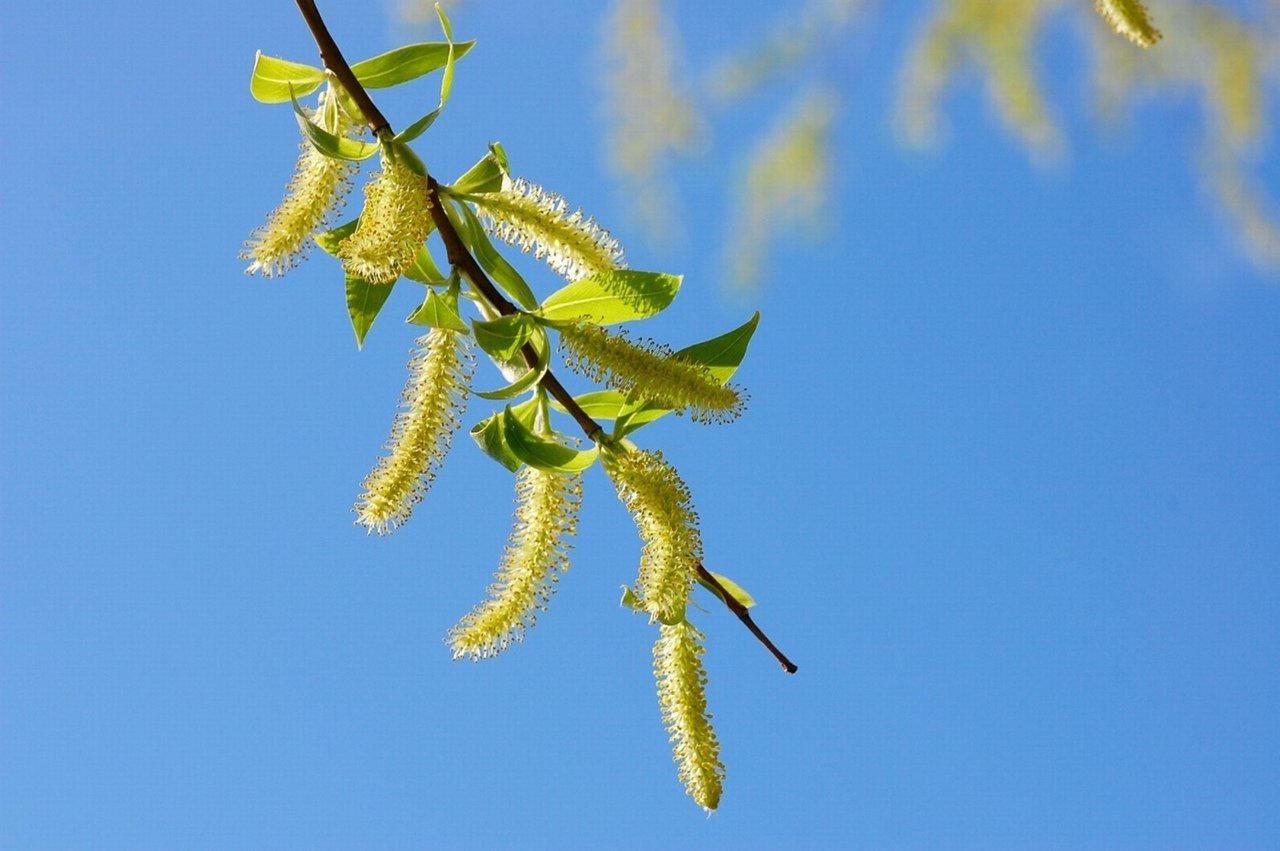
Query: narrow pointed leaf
418	127
329	240
503	337
723	354
436	312
607	298
599	404
424	269
503	274
364	301
735	590
488	435
338	147
541	453
485	176
407	63
273	78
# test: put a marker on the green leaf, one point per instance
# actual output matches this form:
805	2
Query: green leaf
364	300
407	63
488	435
485	176
599	404
735	590
543	454
418	127
503	337
328	241
446	81
530	377
630	600
436	312
639	414
606	298
424	269
338	147
723	354
472	233
273	79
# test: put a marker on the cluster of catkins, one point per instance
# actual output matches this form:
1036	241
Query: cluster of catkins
394	224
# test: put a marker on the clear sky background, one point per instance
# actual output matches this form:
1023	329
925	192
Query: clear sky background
1007	490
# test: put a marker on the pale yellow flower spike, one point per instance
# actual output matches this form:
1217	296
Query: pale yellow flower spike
651	372
432	405
662	509
318	187
1129	18
677	666
394	224
525	215
537	553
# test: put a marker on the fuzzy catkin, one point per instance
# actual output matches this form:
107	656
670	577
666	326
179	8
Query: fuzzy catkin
317	189
662	508
650	372
527	216
536	554
432	404
1129	18
395	222
677	667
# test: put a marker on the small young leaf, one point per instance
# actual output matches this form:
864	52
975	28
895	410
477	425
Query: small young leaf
424	269
436	312
735	590
530	377
446	81
503	337
488	435
631	601
328	241
338	147
418	127
407	63
599	404
485	176
504	275
364	300
273	78
607	298
542	453
723	354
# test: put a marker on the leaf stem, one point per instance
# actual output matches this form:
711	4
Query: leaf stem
461	259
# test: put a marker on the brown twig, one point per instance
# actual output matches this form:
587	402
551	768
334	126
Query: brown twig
460	257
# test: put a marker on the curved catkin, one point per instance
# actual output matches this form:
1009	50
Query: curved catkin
394	224
650	372
662	508
431	408
317	189
536	554
525	215
677	666
1129	18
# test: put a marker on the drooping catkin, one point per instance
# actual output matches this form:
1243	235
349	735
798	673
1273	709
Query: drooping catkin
650	372
677	667
537	553
525	215
432	404
394	224
317	189
662	508
1129	18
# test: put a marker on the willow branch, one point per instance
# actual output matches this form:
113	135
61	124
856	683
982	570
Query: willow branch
460	257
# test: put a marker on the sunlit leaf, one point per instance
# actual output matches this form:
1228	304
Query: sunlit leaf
364	301
338	147
436	312
606	298
407	63
273	79
503	337
488	435
541	453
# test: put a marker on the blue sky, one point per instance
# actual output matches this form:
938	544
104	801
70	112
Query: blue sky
1007	489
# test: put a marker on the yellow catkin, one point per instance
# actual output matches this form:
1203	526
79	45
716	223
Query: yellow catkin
677	666
525	215
662	508
1129	18
650	372
318	187
394	224
537	553
431	407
